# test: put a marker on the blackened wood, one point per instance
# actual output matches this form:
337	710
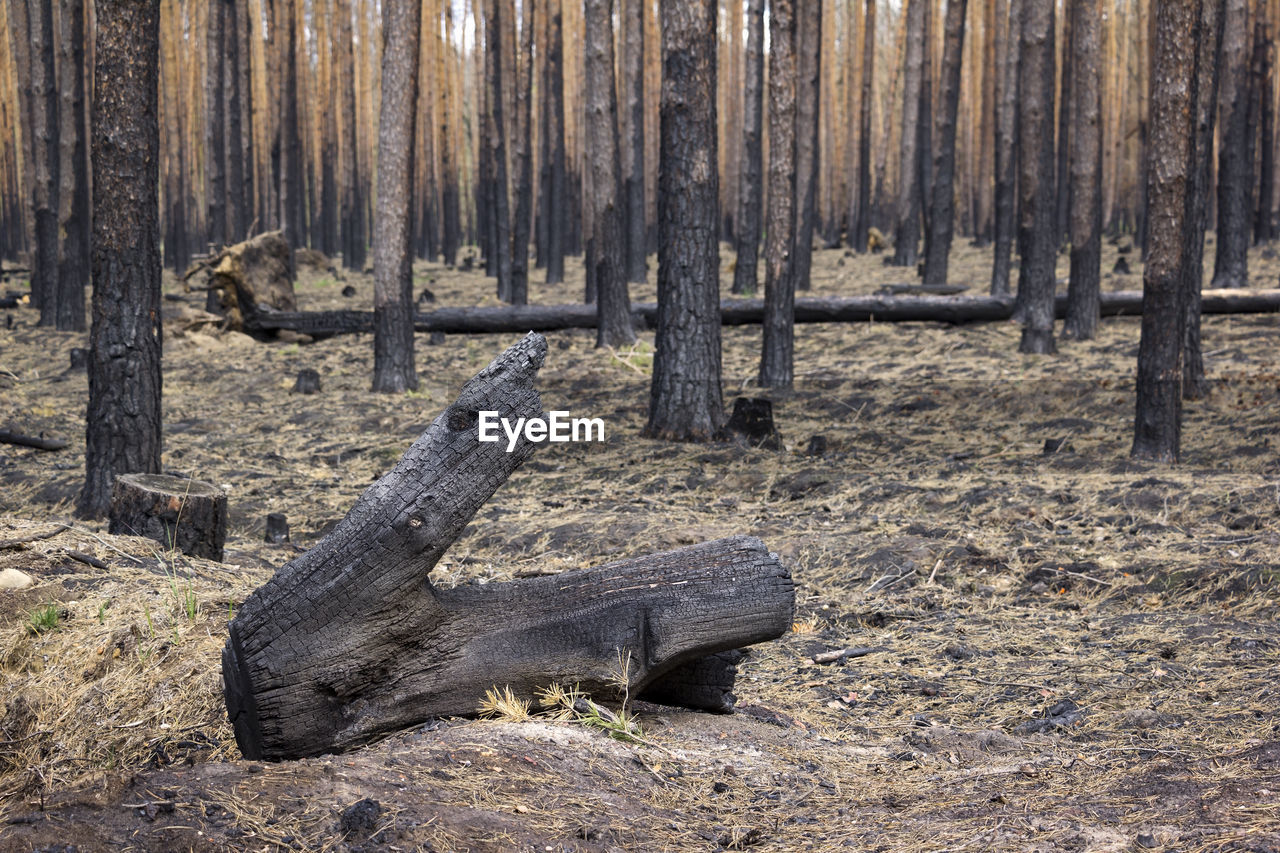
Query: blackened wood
123	418
349	641
752	419
633	147
1158	417
393	368
73	174
705	683
808	35
742	312
1036	184
251	277
777	349
1264	46
751	189
555	193
1235	152
277	528
499	253
522	159
182	515
215	93
1006	153
38	442
1085	141
44	88
353	219
685	401
942	219
308	382
860	219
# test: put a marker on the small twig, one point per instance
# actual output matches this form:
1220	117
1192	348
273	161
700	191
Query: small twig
934	573
85	558
1002	683
1083	576
847	654
35	537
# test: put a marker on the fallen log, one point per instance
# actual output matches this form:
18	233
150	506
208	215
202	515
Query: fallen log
39	442
350	641
740	312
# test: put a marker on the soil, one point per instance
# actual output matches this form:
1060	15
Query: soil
1059	648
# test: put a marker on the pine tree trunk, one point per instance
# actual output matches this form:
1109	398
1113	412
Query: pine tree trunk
685	401
233	142
353	228
500	211
751	193
777	352
606	253
73	195
20	43
1036	279
1066	119
992	60
1085	282
1158	420
123	418
450	220
1235	152
906	237
393	368
860	219
1006	153
556	196
44	97
292	192
327	104
808	93
523	163
215	126
942	220
1203	111
633	137
1263	226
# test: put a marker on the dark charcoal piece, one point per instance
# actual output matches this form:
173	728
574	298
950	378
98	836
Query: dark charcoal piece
349	291
186	515
277	528
817	446
1122	266
79	358
426	296
308	382
1056	445
360	818
753	420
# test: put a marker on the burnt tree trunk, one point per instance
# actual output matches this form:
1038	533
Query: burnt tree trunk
942	220
633	137
44	113
685	402
777	352
393	369
182	515
215	127
607	249
73	172
1085	140
1235	152
450	221
555	193
1006	153
906	237
1264	46
808	77
1158	418
500	210
1204	97
1066	118
1036	185
237	205
350	641
522	220
353	222
292	192
123	419
751	189
20	44
860	219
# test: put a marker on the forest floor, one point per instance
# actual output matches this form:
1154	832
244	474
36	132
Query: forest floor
1069	650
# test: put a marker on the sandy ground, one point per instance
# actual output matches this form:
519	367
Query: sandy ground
1069	650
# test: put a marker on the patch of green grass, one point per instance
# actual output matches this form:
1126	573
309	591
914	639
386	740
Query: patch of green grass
43	619
324	282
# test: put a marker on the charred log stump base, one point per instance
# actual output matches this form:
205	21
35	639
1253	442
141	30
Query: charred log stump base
185	515
349	641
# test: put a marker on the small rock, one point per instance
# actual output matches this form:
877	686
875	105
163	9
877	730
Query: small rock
1056	445
14	579
349	291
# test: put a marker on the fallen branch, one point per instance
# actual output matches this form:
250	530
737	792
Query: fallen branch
349	641
38	442
34	537
847	654
739	312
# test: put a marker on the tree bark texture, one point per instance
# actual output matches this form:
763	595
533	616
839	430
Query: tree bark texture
942	220
777	351
685	402
292	192
607	249
393	368
450	219
860	220
182	515
1235	152
123	418
1085	141
906	236
633	137
73	172
555	196
1158	419
1264	50
350	641
354	232
522	162
20	44
808	32
500	210
1006	153
1036	179
751	191
215	126
44	113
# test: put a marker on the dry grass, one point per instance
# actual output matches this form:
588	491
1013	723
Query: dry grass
993	580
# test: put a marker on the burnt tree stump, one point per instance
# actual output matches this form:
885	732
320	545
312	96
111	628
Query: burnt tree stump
349	641
186	515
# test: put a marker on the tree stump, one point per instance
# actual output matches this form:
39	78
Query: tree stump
752	419
186	515
349	641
